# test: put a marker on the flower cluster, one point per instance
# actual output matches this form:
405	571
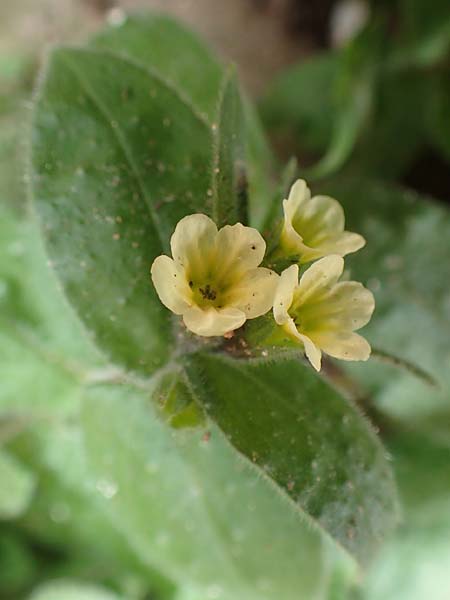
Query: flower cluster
215	281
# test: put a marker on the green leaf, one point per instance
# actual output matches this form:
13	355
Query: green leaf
17	567
42	346
407	237
353	74
424	35
176	402
298	434
191	508
108	200
71	590
17	487
296	107
439	117
181	57
67	515
421	547
229	185
353	103
173	50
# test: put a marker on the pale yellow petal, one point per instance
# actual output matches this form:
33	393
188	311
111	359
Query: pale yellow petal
213	322
318	279
344	345
313	353
347	307
314	227
254	292
291	242
321	217
193	244
239	248
299	196
170	284
284	293
342	244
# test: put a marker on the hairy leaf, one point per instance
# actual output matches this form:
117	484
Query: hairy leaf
229	185
197	512
119	156
181	57
305	437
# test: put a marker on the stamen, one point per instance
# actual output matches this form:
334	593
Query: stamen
208	293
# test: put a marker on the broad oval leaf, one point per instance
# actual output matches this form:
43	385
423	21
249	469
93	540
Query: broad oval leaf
305	437
118	157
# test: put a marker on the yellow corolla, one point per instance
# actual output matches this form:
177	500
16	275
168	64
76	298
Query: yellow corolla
321	313
314	227
213	279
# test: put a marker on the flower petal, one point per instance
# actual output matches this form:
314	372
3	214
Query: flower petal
193	244
239	248
299	196
319	218
314	227
347	307
342	244
211	321
313	353
254	293
343	344
170	284
318	279
284	294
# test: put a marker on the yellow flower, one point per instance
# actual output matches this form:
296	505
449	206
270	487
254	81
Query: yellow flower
321	313
213	279
314	227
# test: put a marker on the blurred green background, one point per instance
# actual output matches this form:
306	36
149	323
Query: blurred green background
359	94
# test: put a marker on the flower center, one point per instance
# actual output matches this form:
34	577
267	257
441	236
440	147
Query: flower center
206	294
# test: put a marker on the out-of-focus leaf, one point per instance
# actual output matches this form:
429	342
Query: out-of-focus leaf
179	56
298	104
42	343
439	116
343	87
355	87
403	263
421	548
424	36
72	590
361	104
393	135
229	183
414	565
17	486
17	568
161	43
108	200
